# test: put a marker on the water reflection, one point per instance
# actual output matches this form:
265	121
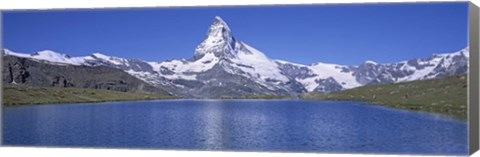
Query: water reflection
250	125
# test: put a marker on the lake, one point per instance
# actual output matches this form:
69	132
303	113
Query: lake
238	125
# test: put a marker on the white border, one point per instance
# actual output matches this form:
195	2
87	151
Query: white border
83	152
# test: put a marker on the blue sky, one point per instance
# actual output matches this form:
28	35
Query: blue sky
344	34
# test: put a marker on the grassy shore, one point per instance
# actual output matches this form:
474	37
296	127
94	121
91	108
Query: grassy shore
20	95
446	96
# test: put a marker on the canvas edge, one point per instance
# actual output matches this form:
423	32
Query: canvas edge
473	76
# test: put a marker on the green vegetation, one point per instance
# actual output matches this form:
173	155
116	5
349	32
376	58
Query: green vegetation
268	96
445	95
21	95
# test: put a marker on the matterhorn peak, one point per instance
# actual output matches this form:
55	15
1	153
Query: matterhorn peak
219	30
219	23
219	40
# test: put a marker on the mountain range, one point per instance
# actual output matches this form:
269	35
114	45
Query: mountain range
223	65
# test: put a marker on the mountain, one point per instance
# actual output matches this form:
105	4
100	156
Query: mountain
323	77
28	72
225	66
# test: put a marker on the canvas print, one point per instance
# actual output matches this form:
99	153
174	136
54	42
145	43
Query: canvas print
337	78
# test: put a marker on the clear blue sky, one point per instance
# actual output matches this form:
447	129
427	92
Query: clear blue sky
344	34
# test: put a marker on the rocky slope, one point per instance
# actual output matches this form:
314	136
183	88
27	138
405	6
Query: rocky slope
27	72
225	66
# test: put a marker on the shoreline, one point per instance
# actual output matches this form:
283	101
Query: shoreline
81	102
23	95
404	107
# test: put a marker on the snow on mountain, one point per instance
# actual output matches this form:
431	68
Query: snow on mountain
55	57
235	57
181	69
242	59
218	40
338	72
319	76
109	59
370	62
224	66
436	65
50	56
257	65
8	52
325	77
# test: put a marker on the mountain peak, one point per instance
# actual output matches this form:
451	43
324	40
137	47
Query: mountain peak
218	18
99	55
370	62
218	23
219	30
50	54
218	40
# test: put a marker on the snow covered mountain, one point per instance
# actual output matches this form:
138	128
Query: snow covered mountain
225	66
324	77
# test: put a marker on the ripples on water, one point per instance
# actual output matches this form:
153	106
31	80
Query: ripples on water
245	125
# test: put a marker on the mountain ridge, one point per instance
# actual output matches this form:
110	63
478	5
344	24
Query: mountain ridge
225	66
18	71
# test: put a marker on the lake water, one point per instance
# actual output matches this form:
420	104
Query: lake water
240	125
